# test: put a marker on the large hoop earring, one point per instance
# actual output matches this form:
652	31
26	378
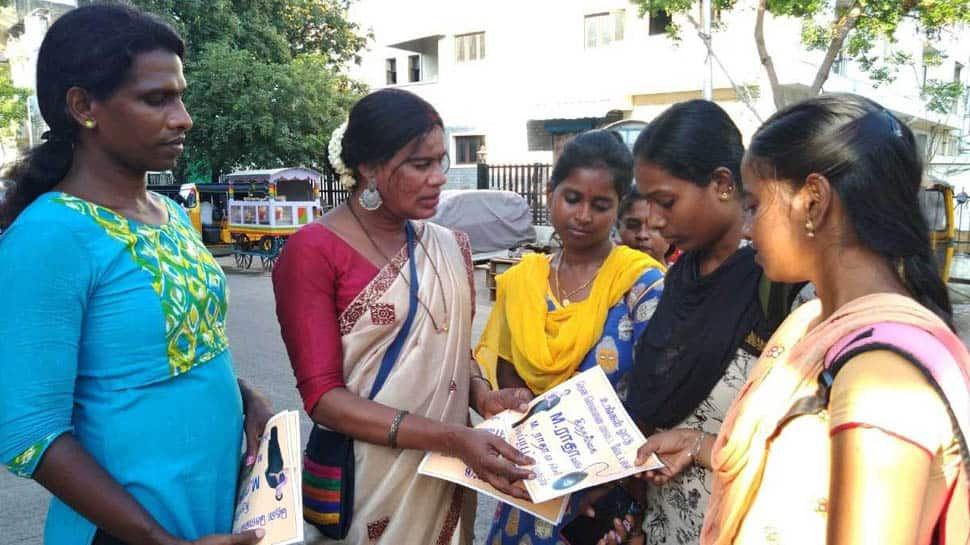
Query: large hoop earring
370	198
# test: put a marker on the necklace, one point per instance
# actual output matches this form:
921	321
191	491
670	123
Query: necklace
564	298
439	329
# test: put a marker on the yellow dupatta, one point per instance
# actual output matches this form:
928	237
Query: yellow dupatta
547	346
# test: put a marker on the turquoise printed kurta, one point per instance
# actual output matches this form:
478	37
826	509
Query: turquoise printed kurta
114	331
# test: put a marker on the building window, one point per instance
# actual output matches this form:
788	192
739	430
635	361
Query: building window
414	68
921	142
659	21
466	149
470	47
391	67
538	138
604	28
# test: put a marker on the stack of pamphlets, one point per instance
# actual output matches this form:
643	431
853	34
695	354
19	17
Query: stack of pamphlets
270	491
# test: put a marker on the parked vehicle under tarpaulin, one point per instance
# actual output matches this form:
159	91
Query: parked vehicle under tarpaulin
495	221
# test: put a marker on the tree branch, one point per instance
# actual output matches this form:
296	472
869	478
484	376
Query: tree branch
842	28
759	40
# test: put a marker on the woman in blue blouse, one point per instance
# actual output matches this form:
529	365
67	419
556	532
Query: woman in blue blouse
117	391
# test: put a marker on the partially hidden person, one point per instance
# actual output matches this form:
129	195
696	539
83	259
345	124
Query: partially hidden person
637	228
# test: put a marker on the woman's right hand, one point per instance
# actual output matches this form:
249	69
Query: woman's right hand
493	460
674	448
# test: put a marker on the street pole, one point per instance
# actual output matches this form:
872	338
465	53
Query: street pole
707	12
30	125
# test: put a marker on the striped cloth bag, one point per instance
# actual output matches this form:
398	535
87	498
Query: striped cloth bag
328	482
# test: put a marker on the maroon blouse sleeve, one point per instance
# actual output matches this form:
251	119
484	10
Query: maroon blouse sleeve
305	282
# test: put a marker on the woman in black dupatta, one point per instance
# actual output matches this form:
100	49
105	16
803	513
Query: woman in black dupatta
708	328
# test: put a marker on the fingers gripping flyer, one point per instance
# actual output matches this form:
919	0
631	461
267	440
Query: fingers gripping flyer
579	434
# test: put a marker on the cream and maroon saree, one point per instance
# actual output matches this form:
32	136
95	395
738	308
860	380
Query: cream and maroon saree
430	378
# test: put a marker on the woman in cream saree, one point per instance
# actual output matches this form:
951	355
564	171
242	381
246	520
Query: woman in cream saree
370	283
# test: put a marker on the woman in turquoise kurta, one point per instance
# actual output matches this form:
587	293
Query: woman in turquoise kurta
117	391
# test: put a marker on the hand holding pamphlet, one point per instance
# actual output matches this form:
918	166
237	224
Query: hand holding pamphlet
579	434
270	493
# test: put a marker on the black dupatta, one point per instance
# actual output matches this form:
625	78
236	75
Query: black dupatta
693	336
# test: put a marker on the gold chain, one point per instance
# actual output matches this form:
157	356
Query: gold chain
444	302
564	299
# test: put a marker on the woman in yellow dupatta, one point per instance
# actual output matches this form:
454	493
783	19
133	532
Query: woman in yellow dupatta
584	306
874	455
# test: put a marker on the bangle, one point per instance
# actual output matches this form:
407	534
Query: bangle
695	449
395	426
483	379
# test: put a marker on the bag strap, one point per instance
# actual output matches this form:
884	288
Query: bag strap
394	350
937	365
924	351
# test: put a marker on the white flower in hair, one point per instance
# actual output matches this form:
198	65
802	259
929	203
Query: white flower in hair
347	180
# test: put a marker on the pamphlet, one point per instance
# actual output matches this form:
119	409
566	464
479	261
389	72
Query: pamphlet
270	491
454	470
578	433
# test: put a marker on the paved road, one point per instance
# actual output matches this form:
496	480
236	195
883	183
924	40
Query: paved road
261	359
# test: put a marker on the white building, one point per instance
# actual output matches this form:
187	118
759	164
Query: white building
34	17
520	77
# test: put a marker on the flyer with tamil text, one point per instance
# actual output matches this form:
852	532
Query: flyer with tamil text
579	434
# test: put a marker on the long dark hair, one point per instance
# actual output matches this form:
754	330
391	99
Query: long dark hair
691	140
596	149
92	47
382	123
872	161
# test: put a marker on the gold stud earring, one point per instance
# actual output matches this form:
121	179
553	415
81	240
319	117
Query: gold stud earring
89	123
810	229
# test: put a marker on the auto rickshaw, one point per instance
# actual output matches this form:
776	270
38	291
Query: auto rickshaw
937	202
185	195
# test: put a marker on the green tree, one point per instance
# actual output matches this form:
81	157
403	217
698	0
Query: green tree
276	30
249	112
266	86
852	28
13	107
